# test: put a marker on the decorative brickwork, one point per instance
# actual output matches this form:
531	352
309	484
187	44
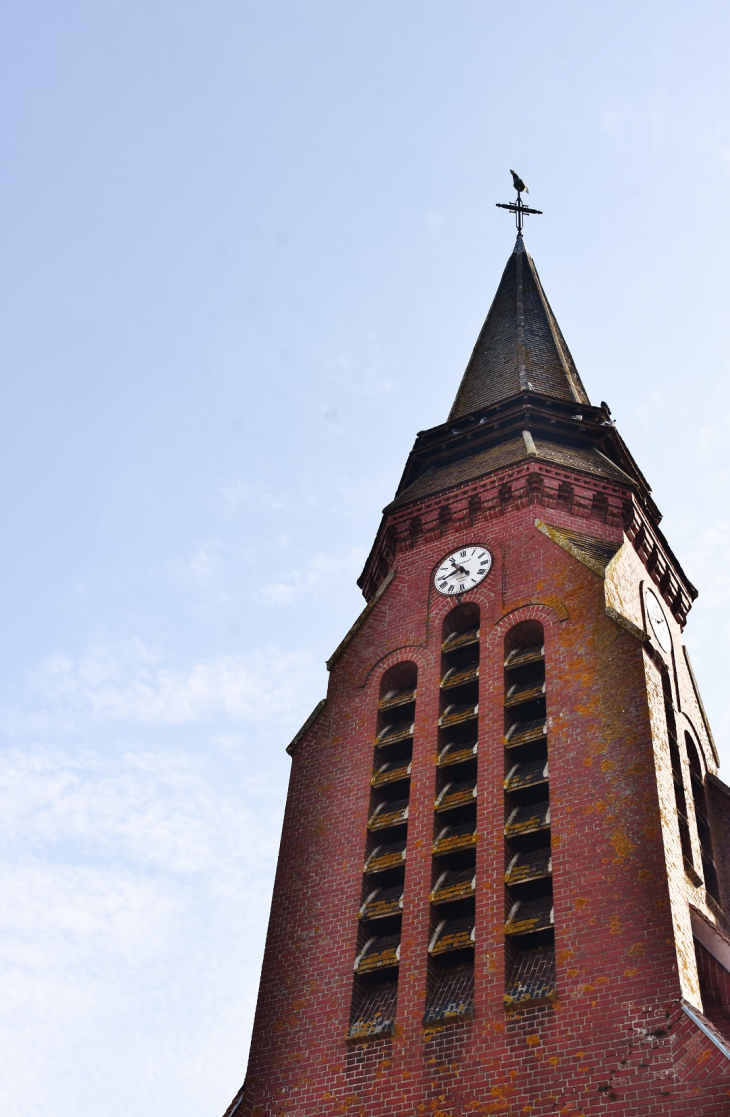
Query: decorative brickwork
514	900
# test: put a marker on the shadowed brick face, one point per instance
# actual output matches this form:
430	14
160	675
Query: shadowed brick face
628	969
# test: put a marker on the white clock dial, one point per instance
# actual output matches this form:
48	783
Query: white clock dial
462	570
658	622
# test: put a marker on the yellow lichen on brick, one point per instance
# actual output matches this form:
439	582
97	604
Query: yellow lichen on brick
622	843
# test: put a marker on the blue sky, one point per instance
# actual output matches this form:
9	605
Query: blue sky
246	250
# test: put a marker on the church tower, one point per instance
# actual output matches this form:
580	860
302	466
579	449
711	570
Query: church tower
504	878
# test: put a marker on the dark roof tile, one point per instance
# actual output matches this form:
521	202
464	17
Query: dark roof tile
477	465
520	345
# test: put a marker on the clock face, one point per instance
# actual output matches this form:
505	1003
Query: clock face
462	570
658	622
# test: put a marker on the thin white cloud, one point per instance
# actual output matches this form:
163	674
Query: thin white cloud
361	374
202	571
150	808
104	952
237	494
279	593
130	680
321	569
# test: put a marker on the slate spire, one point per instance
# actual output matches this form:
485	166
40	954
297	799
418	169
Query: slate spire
520	347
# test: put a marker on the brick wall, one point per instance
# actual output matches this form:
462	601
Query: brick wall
616	1039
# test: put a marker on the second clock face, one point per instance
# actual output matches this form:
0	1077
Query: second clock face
462	570
658	622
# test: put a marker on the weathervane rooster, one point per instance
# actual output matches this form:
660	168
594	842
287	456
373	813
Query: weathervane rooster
518	183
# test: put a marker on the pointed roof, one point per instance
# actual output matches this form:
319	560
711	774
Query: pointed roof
520	347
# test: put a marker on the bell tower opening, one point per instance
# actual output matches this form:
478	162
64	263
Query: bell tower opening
450	985
375	986
529	922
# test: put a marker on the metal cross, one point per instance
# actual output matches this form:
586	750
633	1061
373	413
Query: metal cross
518	208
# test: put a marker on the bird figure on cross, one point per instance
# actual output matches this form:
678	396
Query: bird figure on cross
518	207
518	183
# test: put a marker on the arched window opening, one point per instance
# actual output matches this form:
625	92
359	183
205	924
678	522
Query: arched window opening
599	507
564	498
451	945
529	924
375	987
704	833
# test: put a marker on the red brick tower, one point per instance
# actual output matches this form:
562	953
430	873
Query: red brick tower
504	877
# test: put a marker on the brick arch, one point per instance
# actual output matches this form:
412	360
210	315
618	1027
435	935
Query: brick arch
441	606
548	612
414	653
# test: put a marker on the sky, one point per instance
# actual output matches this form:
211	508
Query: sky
246	248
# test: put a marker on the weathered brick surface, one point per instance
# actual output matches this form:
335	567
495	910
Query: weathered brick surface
617	1040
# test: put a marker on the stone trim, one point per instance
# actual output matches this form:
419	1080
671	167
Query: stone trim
307	725
705	1026
624	622
573	547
